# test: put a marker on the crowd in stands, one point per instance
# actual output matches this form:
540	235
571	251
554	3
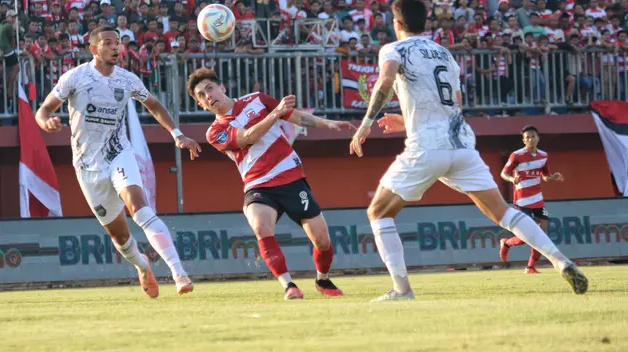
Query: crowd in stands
148	28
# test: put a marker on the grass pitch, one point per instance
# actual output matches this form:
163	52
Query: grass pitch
484	311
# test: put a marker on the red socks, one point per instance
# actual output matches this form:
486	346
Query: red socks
323	259
534	257
514	241
273	256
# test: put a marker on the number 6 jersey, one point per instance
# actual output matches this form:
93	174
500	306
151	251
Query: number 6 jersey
426	86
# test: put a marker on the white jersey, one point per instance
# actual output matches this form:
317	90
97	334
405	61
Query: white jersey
97	108
426	86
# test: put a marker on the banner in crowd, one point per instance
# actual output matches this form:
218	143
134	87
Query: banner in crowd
39	186
358	81
223	244
612	123
142	155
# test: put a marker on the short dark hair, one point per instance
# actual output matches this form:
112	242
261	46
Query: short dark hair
411	14
529	128
200	75
95	35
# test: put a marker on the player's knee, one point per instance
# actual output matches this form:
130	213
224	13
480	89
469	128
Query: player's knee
375	211
321	242
262	230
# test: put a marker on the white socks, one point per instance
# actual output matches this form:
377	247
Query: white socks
159	237
131	253
390	249
284	279
526	229
321	276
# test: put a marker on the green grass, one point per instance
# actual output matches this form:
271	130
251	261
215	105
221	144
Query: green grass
497	310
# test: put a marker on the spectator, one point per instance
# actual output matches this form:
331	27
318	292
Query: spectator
543	11
462	10
360	12
513	29
107	12
535	28
328	11
123	29
379	26
595	11
523	14
504	11
75	37
348	32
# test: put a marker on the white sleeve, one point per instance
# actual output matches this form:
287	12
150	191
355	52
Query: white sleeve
64	87
457	75
138	89
388	53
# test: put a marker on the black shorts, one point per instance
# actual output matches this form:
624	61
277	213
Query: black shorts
295	199
11	60
535	213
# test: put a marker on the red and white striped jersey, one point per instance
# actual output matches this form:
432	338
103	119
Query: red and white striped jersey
269	162
530	167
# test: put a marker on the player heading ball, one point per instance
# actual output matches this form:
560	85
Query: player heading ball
247	130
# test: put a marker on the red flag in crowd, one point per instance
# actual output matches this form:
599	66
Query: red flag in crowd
39	186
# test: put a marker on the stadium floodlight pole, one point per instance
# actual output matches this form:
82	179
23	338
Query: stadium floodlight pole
175	109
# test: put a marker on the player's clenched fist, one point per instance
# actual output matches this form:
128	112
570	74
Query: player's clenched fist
53	124
189	143
287	103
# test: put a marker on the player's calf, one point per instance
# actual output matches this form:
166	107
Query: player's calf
159	237
381	213
323	254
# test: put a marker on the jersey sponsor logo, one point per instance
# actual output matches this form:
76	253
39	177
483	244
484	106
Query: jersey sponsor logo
118	94
99	110
250	113
222	137
100	120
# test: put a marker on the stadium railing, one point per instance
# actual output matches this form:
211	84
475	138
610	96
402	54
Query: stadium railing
316	78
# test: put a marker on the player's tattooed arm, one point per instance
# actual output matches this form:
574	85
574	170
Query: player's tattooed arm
382	90
305	119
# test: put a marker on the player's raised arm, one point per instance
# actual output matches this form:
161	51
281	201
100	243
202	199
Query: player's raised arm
251	135
389	66
162	115
305	119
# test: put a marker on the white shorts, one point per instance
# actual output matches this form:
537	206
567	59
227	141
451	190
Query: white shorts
413	173
102	188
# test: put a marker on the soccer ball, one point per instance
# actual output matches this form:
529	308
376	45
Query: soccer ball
216	22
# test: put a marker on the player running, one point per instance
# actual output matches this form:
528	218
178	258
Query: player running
525	169
246	130
104	160
440	145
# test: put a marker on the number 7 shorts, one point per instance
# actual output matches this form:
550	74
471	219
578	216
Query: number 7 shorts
414	172
295	199
102	188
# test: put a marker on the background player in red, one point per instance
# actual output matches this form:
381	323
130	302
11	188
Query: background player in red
247	131
525	169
